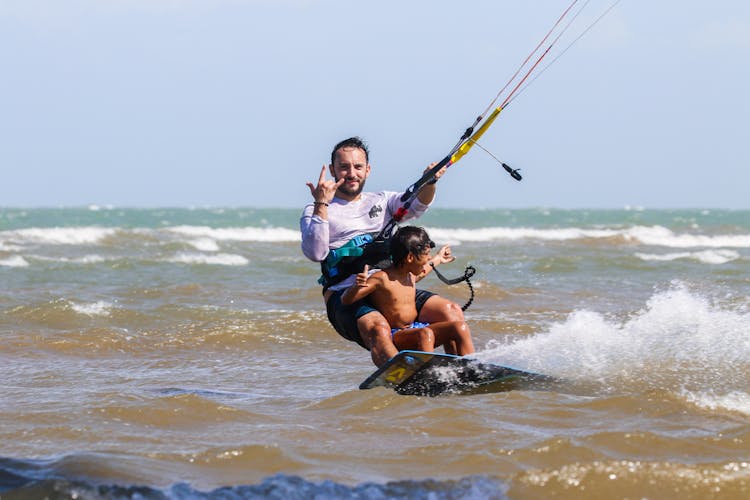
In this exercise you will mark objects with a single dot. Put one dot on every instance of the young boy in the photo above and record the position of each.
(391, 291)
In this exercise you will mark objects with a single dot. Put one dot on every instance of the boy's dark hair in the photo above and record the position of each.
(409, 239)
(352, 142)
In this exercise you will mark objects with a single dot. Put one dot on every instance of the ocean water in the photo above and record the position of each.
(185, 353)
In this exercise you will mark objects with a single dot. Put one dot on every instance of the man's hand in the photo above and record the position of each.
(439, 173)
(427, 194)
(326, 189)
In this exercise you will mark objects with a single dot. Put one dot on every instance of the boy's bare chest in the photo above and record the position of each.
(401, 291)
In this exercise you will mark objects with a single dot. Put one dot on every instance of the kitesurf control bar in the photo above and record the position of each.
(463, 146)
(470, 137)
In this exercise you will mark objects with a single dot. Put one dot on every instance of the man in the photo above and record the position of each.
(340, 213)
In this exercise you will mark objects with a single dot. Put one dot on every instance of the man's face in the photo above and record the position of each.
(351, 165)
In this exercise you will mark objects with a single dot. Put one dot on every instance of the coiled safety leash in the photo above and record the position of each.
(468, 273)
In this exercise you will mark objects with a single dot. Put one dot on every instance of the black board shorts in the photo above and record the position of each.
(344, 317)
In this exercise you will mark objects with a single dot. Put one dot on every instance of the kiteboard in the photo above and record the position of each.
(420, 373)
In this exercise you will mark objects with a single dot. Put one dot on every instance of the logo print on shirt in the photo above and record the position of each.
(374, 211)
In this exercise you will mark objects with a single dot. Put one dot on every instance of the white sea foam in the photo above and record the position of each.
(204, 244)
(14, 261)
(510, 233)
(239, 233)
(706, 256)
(205, 238)
(100, 308)
(86, 259)
(221, 259)
(679, 342)
(4, 247)
(735, 401)
(661, 236)
(97, 208)
(57, 235)
(646, 235)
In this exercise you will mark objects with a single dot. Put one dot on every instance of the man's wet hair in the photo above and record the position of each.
(409, 239)
(352, 142)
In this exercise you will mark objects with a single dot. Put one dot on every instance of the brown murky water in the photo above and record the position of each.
(194, 355)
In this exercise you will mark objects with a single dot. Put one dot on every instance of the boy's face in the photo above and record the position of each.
(417, 262)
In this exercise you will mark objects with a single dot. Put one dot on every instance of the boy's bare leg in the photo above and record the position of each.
(453, 335)
(415, 339)
(376, 334)
(450, 347)
(437, 309)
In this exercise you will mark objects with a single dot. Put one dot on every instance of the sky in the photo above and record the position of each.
(154, 103)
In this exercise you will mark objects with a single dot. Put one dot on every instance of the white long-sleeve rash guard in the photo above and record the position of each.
(347, 219)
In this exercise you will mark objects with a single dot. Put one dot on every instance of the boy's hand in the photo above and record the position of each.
(360, 289)
(443, 256)
(362, 277)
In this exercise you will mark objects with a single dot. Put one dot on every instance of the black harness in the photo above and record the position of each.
(351, 258)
